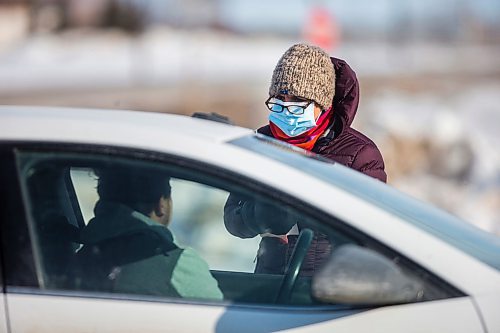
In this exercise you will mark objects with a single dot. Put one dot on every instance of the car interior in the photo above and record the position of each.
(57, 220)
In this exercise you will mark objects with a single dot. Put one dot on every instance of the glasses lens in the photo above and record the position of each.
(295, 109)
(274, 107)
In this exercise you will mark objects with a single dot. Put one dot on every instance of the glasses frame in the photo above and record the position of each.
(303, 108)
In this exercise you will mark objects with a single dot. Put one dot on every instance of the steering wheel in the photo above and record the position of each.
(292, 271)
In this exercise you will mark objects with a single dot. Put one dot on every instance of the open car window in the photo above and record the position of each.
(196, 220)
(91, 239)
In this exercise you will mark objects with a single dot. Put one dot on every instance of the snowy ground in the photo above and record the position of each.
(433, 109)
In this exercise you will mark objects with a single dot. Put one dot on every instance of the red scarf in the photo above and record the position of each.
(307, 139)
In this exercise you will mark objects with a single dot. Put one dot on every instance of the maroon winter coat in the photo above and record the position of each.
(341, 144)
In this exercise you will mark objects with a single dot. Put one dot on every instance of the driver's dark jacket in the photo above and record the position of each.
(126, 252)
(343, 145)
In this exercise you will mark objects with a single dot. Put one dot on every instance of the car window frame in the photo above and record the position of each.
(14, 231)
(75, 204)
(217, 173)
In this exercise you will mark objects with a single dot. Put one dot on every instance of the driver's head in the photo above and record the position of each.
(143, 190)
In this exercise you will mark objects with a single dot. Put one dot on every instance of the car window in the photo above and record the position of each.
(112, 226)
(90, 236)
(84, 182)
(196, 220)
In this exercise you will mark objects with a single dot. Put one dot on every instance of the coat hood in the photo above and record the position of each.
(113, 220)
(346, 98)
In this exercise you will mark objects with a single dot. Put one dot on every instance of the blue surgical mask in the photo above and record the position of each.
(291, 124)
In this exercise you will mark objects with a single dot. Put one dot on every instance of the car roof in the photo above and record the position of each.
(47, 117)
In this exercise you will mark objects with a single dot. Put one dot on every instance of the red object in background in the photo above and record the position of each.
(321, 29)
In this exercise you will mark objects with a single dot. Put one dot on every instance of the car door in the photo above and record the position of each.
(56, 198)
(3, 310)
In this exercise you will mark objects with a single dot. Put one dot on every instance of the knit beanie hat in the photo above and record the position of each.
(305, 71)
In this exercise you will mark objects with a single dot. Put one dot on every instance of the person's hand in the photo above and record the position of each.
(266, 218)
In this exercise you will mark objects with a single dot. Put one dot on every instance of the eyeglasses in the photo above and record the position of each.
(276, 105)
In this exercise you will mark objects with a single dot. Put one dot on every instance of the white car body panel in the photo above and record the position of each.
(66, 123)
(453, 315)
(46, 314)
(3, 318)
(489, 306)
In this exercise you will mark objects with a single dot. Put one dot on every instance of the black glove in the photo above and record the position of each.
(263, 217)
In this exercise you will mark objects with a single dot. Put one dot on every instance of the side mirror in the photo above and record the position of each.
(357, 275)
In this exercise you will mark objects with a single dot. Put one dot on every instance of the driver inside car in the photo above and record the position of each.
(127, 247)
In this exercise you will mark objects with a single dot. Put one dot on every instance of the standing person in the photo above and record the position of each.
(127, 246)
(313, 99)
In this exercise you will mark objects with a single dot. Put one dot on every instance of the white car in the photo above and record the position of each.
(397, 265)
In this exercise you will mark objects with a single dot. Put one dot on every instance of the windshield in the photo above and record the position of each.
(480, 244)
